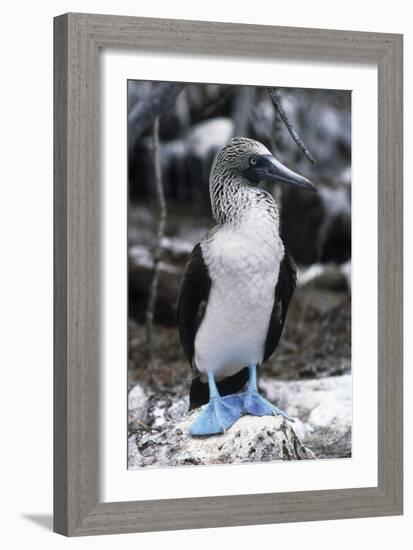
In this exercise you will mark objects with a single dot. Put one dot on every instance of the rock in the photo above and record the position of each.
(302, 215)
(326, 276)
(185, 161)
(324, 409)
(137, 405)
(165, 409)
(250, 439)
(182, 234)
(140, 273)
(317, 226)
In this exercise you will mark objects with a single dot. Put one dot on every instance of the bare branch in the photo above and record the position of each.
(276, 101)
(144, 112)
(162, 213)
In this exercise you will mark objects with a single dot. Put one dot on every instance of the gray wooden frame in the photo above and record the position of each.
(78, 39)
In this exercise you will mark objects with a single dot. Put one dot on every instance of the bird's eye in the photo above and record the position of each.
(253, 161)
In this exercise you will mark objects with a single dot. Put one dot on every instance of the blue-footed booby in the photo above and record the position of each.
(236, 287)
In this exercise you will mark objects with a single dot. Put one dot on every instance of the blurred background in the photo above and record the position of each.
(310, 373)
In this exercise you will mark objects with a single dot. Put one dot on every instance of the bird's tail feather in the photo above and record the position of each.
(199, 393)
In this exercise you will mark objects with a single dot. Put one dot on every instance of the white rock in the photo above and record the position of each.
(319, 402)
(250, 439)
(137, 403)
(209, 135)
(324, 409)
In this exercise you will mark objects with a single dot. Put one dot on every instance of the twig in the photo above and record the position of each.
(160, 198)
(144, 112)
(276, 101)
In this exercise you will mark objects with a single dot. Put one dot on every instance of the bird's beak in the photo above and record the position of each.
(268, 169)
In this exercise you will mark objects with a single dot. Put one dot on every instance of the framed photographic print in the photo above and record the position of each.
(228, 274)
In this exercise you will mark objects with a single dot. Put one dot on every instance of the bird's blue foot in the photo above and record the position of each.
(219, 415)
(255, 404)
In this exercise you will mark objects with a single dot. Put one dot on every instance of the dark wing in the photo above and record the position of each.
(283, 292)
(192, 300)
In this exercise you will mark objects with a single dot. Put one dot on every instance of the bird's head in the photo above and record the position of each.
(252, 161)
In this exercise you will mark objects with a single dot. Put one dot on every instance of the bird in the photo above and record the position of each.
(236, 287)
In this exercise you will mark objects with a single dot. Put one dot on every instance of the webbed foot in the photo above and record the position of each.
(219, 415)
(255, 404)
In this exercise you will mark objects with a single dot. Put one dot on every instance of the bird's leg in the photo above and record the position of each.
(220, 413)
(254, 403)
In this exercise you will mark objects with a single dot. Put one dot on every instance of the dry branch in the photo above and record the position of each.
(276, 101)
(162, 213)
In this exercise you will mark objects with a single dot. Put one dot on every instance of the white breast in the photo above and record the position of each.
(243, 264)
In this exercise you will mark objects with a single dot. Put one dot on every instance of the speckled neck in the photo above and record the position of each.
(232, 198)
